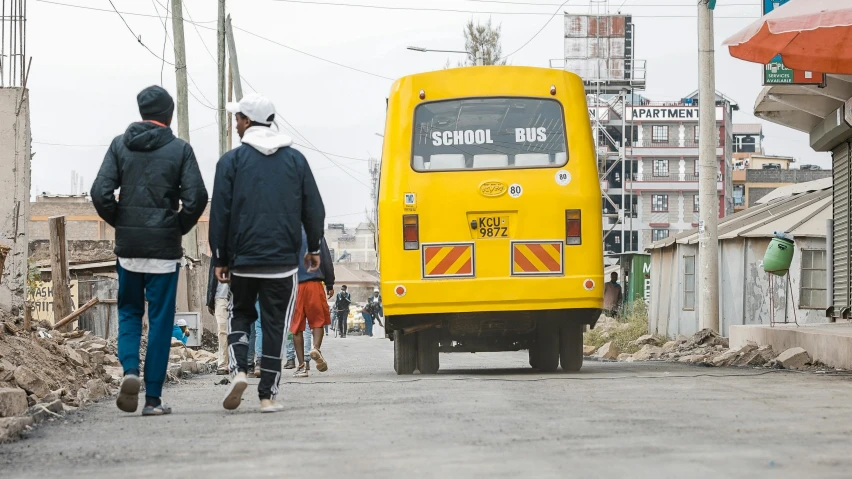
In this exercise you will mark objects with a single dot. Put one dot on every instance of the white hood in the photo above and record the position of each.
(266, 140)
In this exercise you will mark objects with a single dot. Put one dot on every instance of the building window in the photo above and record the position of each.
(697, 134)
(689, 282)
(696, 167)
(657, 235)
(695, 203)
(659, 203)
(812, 293)
(739, 195)
(660, 134)
(661, 167)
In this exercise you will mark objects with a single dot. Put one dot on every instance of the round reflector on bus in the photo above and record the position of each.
(422, 95)
(399, 290)
(589, 285)
(553, 89)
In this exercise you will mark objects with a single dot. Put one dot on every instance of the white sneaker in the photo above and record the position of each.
(268, 405)
(302, 371)
(235, 393)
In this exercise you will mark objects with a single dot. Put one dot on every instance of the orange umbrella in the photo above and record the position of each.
(813, 35)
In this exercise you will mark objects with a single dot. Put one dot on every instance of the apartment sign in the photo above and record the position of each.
(667, 113)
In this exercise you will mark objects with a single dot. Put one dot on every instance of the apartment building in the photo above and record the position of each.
(661, 168)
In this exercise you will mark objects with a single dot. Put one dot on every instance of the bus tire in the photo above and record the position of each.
(404, 352)
(427, 351)
(571, 347)
(546, 351)
(533, 358)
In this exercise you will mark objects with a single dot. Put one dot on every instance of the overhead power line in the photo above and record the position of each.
(454, 10)
(108, 10)
(538, 32)
(681, 5)
(137, 37)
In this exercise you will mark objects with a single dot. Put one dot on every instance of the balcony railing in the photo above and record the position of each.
(686, 143)
(673, 177)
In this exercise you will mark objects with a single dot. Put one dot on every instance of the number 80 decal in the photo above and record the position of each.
(516, 190)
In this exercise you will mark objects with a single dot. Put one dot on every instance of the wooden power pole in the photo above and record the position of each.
(237, 84)
(62, 305)
(220, 43)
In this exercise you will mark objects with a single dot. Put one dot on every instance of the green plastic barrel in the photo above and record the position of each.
(779, 256)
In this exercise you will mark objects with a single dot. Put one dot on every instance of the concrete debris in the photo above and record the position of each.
(648, 352)
(12, 427)
(97, 389)
(647, 339)
(588, 350)
(27, 380)
(13, 402)
(794, 358)
(669, 346)
(625, 357)
(45, 411)
(692, 358)
(608, 351)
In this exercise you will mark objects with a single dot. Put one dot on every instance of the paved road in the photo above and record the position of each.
(486, 415)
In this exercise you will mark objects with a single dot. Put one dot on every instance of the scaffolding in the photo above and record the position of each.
(14, 67)
(599, 47)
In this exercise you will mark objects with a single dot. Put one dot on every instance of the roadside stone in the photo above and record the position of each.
(725, 358)
(98, 357)
(73, 357)
(794, 358)
(647, 339)
(749, 358)
(669, 346)
(692, 358)
(97, 389)
(12, 427)
(27, 380)
(608, 351)
(111, 360)
(85, 356)
(41, 412)
(177, 343)
(625, 357)
(13, 402)
(648, 352)
(588, 350)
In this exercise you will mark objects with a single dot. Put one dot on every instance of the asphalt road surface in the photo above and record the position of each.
(484, 415)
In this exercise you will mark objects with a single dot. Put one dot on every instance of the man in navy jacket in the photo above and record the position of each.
(263, 193)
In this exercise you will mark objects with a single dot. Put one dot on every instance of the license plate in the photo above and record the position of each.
(492, 227)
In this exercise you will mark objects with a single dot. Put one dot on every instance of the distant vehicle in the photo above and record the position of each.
(810, 167)
(771, 166)
(489, 222)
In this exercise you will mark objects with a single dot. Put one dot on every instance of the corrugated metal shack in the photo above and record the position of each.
(744, 288)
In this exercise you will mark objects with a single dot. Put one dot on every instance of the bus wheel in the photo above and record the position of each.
(427, 351)
(404, 352)
(533, 358)
(546, 351)
(571, 347)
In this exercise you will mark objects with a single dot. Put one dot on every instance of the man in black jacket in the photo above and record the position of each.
(263, 193)
(162, 197)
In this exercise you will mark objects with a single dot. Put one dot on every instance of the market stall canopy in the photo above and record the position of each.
(812, 35)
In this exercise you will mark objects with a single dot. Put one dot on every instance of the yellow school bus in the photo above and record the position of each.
(489, 230)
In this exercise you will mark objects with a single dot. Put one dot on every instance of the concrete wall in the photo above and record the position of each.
(15, 156)
(81, 220)
(785, 176)
(79, 251)
(745, 296)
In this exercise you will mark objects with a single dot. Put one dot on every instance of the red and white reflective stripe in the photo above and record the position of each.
(399, 291)
(589, 285)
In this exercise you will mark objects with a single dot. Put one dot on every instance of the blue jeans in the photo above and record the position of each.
(161, 291)
(368, 323)
(291, 346)
(256, 338)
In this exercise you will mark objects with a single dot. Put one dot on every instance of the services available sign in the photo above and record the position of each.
(775, 73)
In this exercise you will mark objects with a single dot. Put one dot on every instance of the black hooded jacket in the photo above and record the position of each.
(162, 193)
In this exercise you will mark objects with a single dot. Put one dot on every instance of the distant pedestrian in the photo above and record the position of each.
(312, 309)
(380, 309)
(612, 296)
(162, 197)
(263, 190)
(341, 309)
(368, 313)
(217, 304)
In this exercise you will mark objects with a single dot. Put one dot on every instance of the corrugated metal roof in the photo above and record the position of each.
(800, 215)
(796, 189)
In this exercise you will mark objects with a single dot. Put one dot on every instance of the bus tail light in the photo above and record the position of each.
(410, 232)
(572, 227)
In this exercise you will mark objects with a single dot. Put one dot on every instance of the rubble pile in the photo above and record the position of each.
(45, 374)
(707, 348)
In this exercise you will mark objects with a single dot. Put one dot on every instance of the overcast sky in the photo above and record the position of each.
(87, 69)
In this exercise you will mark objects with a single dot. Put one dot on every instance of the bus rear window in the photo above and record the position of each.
(489, 133)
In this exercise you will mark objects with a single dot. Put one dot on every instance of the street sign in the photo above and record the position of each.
(775, 73)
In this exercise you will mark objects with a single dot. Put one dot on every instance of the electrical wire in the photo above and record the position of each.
(452, 10)
(165, 38)
(137, 37)
(536, 33)
(682, 5)
(108, 10)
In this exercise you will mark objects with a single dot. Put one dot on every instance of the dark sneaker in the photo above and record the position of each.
(160, 410)
(128, 393)
(291, 364)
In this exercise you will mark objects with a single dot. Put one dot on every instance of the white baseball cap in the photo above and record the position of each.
(180, 322)
(256, 107)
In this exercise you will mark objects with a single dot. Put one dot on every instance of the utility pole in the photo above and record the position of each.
(220, 43)
(622, 156)
(708, 199)
(235, 66)
(180, 70)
